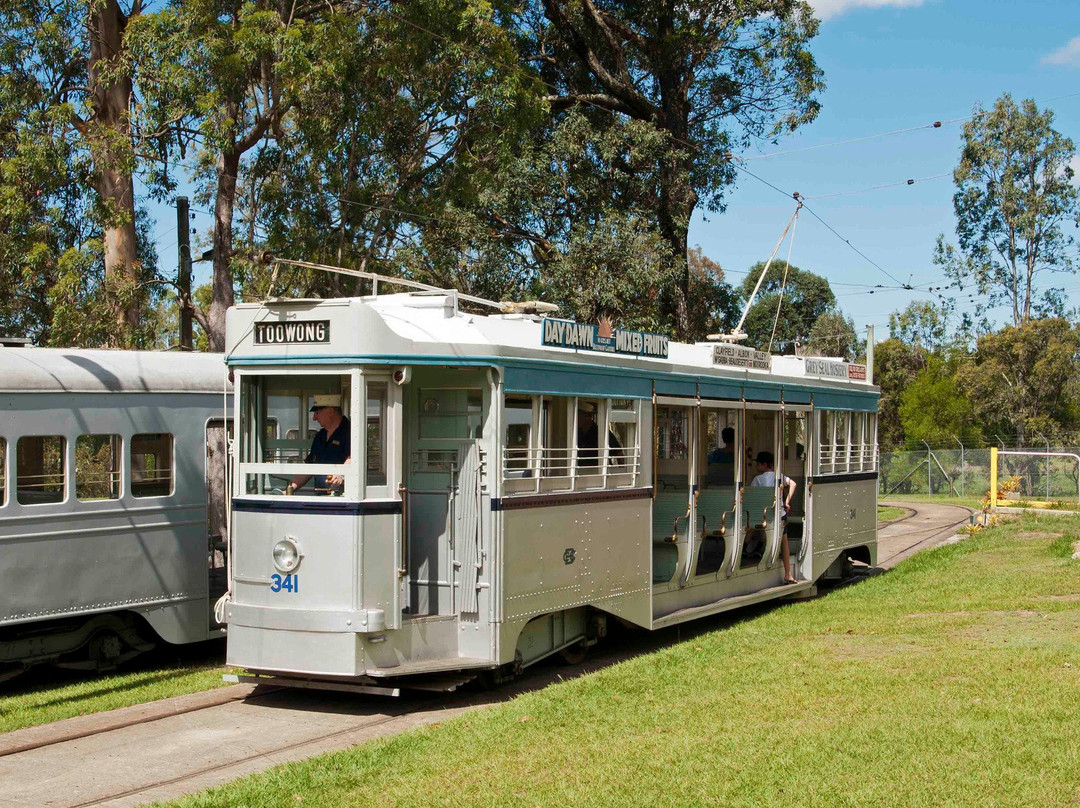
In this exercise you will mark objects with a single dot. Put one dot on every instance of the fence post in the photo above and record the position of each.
(993, 477)
(1041, 435)
(929, 472)
(961, 463)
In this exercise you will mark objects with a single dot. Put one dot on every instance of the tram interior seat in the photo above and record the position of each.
(669, 526)
(672, 482)
(759, 512)
(715, 508)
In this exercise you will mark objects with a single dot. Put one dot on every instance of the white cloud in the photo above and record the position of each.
(827, 9)
(1068, 55)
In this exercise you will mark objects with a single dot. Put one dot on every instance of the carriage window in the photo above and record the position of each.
(588, 436)
(152, 465)
(623, 425)
(375, 471)
(870, 449)
(554, 431)
(278, 426)
(826, 444)
(518, 439)
(97, 467)
(841, 438)
(40, 469)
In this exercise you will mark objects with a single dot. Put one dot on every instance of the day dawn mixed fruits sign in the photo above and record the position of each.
(588, 337)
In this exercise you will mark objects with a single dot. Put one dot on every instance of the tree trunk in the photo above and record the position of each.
(110, 141)
(228, 166)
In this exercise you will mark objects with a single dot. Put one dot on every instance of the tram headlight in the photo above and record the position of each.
(287, 554)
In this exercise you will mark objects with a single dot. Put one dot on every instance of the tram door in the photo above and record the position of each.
(760, 491)
(720, 471)
(444, 478)
(672, 496)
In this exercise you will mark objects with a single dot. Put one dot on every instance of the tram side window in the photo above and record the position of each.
(623, 424)
(826, 444)
(152, 464)
(97, 467)
(375, 472)
(840, 456)
(40, 475)
(518, 439)
(554, 432)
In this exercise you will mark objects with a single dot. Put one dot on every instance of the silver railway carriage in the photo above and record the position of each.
(112, 503)
(477, 528)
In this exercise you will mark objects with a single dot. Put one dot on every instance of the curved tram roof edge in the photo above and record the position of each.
(76, 370)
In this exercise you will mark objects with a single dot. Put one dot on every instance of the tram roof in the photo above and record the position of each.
(72, 370)
(428, 328)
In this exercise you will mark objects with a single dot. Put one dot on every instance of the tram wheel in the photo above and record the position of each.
(574, 654)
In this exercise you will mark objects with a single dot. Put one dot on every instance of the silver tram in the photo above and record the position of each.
(112, 503)
(476, 531)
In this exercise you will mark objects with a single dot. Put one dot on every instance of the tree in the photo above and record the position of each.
(1025, 379)
(220, 76)
(806, 297)
(833, 334)
(896, 365)
(1014, 194)
(934, 406)
(714, 304)
(65, 92)
(710, 78)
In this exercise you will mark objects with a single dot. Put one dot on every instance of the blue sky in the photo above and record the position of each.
(889, 65)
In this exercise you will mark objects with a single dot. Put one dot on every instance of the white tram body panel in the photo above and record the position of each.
(112, 472)
(478, 525)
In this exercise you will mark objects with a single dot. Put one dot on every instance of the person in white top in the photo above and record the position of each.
(766, 478)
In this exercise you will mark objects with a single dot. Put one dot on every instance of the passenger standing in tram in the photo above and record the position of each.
(766, 478)
(332, 444)
(588, 437)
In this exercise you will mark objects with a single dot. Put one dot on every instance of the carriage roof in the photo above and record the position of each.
(429, 328)
(71, 370)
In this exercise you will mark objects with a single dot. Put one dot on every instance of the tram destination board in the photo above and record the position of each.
(304, 332)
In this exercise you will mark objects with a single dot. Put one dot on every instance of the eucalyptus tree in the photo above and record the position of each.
(787, 306)
(1015, 194)
(710, 77)
(218, 77)
(65, 100)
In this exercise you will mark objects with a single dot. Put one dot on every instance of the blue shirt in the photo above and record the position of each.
(336, 448)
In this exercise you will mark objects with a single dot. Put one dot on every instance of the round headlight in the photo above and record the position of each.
(287, 555)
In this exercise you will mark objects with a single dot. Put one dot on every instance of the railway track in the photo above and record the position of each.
(165, 750)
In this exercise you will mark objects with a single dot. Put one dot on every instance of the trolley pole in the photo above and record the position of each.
(183, 273)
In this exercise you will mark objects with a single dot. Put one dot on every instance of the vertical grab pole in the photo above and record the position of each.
(993, 476)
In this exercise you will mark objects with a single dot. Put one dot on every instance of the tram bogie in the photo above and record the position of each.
(513, 481)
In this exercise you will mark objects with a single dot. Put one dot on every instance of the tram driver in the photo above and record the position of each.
(331, 444)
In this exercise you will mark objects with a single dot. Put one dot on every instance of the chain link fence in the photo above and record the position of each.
(965, 472)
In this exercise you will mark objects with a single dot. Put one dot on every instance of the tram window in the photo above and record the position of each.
(588, 436)
(623, 424)
(826, 446)
(40, 469)
(858, 427)
(555, 430)
(841, 436)
(152, 465)
(870, 451)
(518, 439)
(375, 472)
(3, 472)
(97, 467)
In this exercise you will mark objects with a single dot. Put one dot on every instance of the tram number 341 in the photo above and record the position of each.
(284, 583)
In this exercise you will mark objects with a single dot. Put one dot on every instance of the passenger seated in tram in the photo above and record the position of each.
(722, 459)
(331, 444)
(588, 438)
(766, 478)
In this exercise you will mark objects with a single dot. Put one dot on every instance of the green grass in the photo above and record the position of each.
(44, 695)
(886, 513)
(953, 680)
(970, 502)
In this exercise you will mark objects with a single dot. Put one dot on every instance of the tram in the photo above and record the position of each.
(515, 480)
(112, 503)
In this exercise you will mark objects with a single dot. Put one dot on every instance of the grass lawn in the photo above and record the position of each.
(886, 513)
(44, 695)
(971, 502)
(953, 680)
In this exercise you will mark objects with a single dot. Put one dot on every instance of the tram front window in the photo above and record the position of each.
(312, 412)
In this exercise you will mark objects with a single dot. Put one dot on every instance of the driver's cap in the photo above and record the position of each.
(327, 400)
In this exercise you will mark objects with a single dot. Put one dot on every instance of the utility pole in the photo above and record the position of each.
(183, 279)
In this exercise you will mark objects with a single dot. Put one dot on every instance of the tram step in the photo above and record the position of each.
(431, 666)
(694, 612)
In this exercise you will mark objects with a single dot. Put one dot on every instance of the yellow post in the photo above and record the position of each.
(993, 476)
